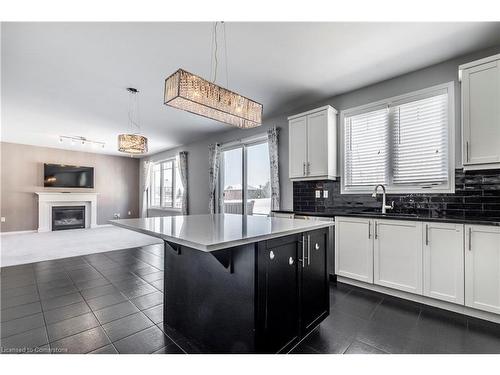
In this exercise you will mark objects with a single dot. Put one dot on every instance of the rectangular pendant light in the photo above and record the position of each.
(189, 92)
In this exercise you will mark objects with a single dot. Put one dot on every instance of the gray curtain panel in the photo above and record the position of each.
(183, 171)
(213, 174)
(272, 138)
(146, 179)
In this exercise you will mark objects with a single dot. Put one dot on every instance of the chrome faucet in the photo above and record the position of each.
(384, 206)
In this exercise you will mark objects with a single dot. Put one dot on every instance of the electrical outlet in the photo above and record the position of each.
(116, 216)
(318, 193)
(325, 193)
(3, 219)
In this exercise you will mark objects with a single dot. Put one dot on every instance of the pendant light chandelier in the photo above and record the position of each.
(191, 93)
(133, 143)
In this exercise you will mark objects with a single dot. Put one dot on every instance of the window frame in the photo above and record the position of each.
(175, 165)
(449, 89)
(243, 144)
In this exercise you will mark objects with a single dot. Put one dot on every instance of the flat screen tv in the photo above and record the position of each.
(67, 176)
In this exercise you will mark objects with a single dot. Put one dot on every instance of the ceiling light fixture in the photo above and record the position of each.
(80, 139)
(133, 143)
(191, 93)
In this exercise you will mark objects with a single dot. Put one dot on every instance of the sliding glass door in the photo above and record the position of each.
(244, 183)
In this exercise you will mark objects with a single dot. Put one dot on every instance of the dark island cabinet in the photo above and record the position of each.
(292, 290)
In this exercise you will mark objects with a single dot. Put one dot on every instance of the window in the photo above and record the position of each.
(405, 143)
(166, 187)
(245, 178)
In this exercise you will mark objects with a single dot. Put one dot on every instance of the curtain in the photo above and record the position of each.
(146, 179)
(272, 140)
(213, 173)
(183, 171)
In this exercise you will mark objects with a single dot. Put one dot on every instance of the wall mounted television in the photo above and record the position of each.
(67, 176)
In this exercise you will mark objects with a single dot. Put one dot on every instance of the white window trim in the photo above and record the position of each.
(449, 88)
(162, 208)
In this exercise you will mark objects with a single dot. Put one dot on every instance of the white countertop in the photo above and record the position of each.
(215, 232)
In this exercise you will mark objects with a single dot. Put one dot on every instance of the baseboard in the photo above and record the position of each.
(102, 225)
(460, 309)
(17, 232)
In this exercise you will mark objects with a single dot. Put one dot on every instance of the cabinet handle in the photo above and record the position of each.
(308, 168)
(271, 255)
(316, 246)
(470, 239)
(303, 251)
(467, 150)
(290, 261)
(308, 249)
(369, 229)
(304, 169)
(376, 231)
(426, 234)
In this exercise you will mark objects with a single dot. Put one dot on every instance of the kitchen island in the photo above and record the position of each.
(241, 284)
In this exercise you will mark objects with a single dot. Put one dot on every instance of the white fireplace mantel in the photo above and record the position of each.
(47, 200)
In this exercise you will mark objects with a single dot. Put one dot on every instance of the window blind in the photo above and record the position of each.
(366, 148)
(420, 141)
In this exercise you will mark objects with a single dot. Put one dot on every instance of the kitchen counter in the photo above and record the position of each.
(399, 216)
(215, 232)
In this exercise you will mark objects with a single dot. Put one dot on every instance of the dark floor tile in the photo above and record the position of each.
(20, 311)
(338, 291)
(147, 270)
(9, 283)
(146, 341)
(19, 300)
(129, 283)
(482, 337)
(158, 284)
(43, 287)
(83, 342)
(101, 302)
(358, 303)
(108, 349)
(358, 347)
(16, 326)
(114, 312)
(98, 291)
(397, 314)
(71, 326)
(304, 349)
(84, 275)
(91, 283)
(138, 291)
(155, 313)
(66, 312)
(148, 300)
(16, 292)
(30, 339)
(324, 341)
(61, 301)
(340, 323)
(170, 349)
(57, 291)
(155, 276)
(126, 326)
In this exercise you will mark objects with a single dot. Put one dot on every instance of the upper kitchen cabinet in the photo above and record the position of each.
(481, 113)
(313, 145)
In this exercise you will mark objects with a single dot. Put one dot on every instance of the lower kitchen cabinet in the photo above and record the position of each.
(292, 288)
(443, 246)
(354, 248)
(397, 255)
(482, 267)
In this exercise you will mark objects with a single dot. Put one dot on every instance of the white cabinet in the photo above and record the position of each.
(313, 144)
(443, 246)
(482, 267)
(481, 113)
(397, 255)
(354, 248)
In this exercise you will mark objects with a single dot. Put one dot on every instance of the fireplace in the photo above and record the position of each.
(68, 217)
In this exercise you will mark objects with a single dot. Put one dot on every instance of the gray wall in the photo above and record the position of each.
(433, 75)
(116, 182)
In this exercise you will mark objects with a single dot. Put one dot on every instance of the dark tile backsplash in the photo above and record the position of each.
(477, 194)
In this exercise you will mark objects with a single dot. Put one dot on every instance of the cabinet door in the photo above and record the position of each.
(280, 293)
(481, 114)
(482, 267)
(397, 254)
(317, 144)
(314, 289)
(297, 147)
(444, 261)
(354, 248)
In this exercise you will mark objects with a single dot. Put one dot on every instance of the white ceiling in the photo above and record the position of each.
(70, 78)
